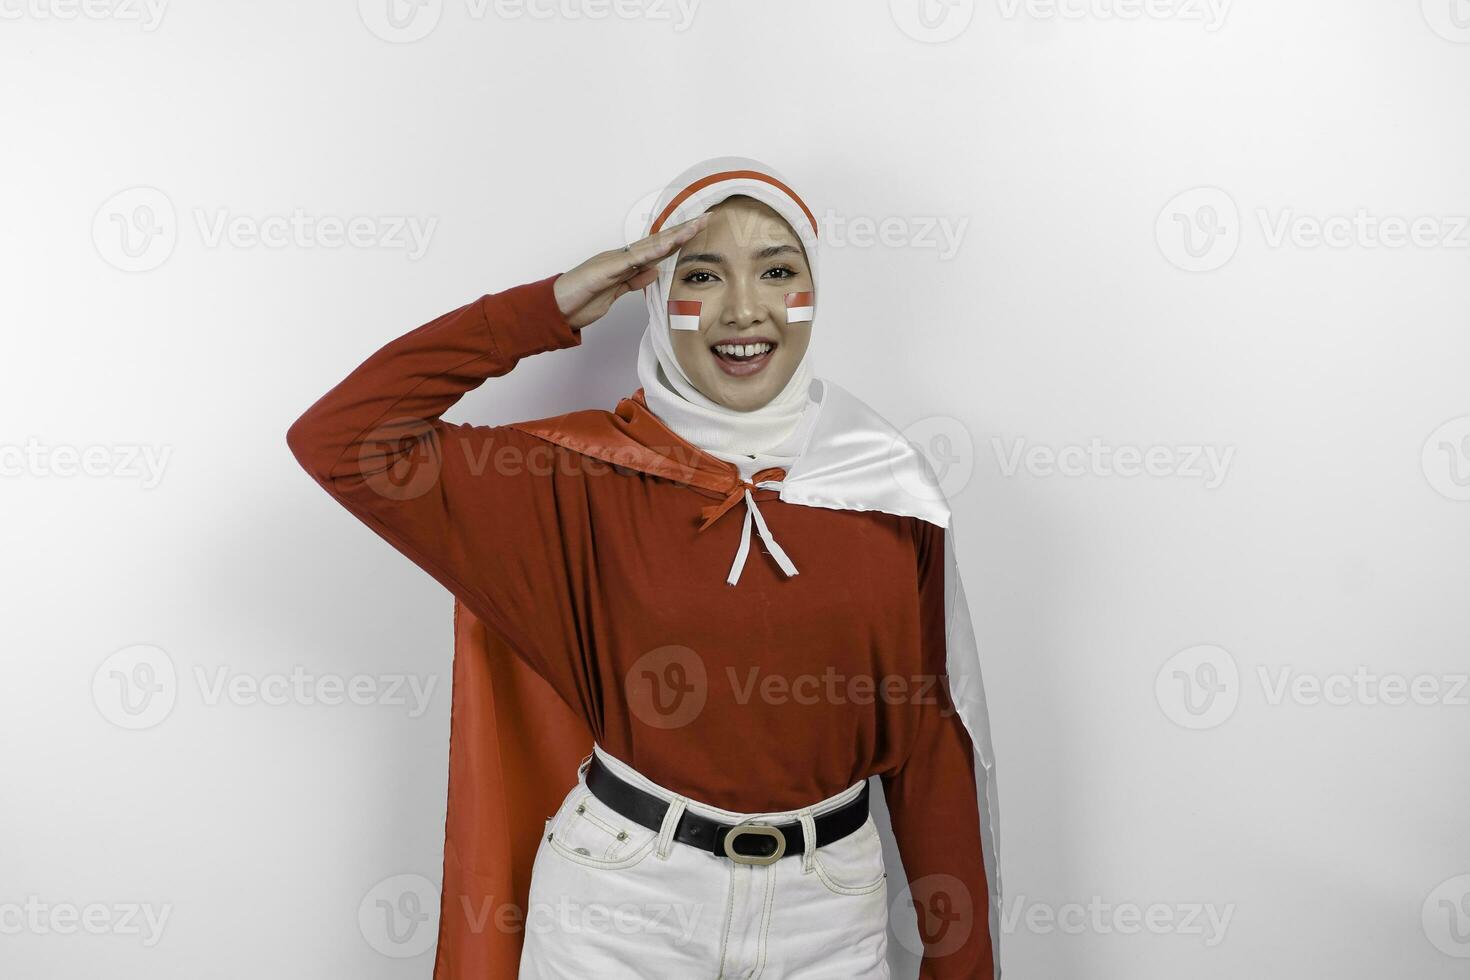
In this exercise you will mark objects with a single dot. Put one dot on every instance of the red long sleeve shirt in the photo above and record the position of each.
(767, 696)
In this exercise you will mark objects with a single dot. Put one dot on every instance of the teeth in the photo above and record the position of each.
(743, 350)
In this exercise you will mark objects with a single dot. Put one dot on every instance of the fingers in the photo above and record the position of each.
(643, 278)
(606, 276)
(603, 299)
(655, 248)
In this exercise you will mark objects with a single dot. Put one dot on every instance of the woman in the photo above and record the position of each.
(737, 590)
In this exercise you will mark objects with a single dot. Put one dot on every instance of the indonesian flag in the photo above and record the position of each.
(684, 314)
(799, 307)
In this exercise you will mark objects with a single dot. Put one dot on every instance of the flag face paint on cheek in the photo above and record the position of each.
(684, 314)
(799, 307)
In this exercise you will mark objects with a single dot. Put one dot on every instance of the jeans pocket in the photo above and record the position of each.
(854, 864)
(588, 832)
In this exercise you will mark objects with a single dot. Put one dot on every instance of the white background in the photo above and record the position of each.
(1134, 188)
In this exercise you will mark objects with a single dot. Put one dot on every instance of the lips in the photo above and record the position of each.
(743, 357)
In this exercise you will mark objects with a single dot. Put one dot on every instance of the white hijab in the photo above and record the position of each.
(774, 432)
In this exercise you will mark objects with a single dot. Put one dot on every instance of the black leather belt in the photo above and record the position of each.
(746, 843)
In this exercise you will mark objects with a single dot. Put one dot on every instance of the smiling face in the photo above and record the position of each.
(739, 268)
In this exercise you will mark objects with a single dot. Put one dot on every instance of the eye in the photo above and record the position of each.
(786, 270)
(693, 277)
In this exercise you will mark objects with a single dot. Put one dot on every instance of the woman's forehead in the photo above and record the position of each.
(739, 209)
(749, 225)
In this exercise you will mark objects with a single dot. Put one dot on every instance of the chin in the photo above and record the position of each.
(745, 396)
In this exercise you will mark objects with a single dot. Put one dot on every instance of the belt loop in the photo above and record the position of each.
(584, 764)
(809, 834)
(670, 824)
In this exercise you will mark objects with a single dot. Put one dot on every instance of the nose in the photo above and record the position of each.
(743, 307)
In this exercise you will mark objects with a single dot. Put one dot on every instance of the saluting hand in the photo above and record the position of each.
(584, 294)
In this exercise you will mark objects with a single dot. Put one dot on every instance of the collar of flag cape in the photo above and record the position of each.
(853, 459)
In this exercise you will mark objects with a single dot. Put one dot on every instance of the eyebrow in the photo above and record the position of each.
(715, 258)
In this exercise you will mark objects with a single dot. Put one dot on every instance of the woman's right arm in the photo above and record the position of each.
(469, 503)
(451, 497)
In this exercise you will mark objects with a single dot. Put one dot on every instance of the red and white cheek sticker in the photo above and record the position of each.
(684, 314)
(799, 307)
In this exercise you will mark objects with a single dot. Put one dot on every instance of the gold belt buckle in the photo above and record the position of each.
(760, 830)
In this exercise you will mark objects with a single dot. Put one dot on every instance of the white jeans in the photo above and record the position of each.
(614, 900)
